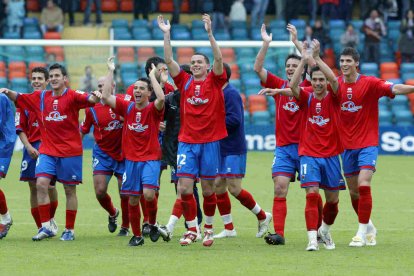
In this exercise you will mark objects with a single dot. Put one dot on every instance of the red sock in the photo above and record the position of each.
(106, 203)
(189, 209)
(44, 212)
(70, 219)
(246, 199)
(177, 208)
(224, 207)
(135, 219)
(143, 204)
(330, 210)
(152, 209)
(209, 208)
(53, 207)
(36, 216)
(320, 210)
(311, 211)
(3, 204)
(279, 215)
(365, 204)
(355, 203)
(124, 207)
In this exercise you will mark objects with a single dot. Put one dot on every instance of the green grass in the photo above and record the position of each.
(96, 251)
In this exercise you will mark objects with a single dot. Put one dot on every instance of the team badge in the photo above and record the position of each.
(113, 116)
(55, 105)
(138, 117)
(318, 107)
(197, 90)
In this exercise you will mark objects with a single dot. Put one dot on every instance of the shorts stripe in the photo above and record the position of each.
(231, 175)
(3, 175)
(133, 193)
(102, 172)
(368, 167)
(150, 187)
(309, 184)
(27, 178)
(325, 187)
(46, 175)
(209, 177)
(351, 174)
(69, 182)
(290, 175)
(186, 175)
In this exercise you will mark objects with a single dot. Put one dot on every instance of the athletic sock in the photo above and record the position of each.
(189, 210)
(224, 207)
(53, 207)
(135, 219)
(124, 208)
(209, 207)
(279, 215)
(365, 204)
(106, 203)
(311, 211)
(152, 208)
(70, 219)
(330, 211)
(36, 216)
(44, 213)
(3, 203)
(177, 210)
(246, 199)
(355, 204)
(320, 210)
(143, 204)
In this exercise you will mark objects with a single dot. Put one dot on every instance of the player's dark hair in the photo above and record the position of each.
(152, 60)
(228, 70)
(60, 67)
(205, 57)
(294, 56)
(186, 68)
(147, 81)
(314, 69)
(349, 51)
(41, 70)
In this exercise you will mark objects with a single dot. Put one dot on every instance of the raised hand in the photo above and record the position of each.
(207, 22)
(110, 63)
(163, 25)
(153, 70)
(4, 90)
(164, 76)
(306, 50)
(316, 48)
(97, 94)
(293, 32)
(266, 38)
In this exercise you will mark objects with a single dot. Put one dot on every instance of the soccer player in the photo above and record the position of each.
(7, 139)
(319, 145)
(233, 166)
(287, 117)
(141, 148)
(28, 129)
(107, 158)
(60, 158)
(359, 125)
(202, 127)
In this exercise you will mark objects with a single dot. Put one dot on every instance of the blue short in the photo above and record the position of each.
(139, 176)
(4, 166)
(28, 167)
(324, 173)
(195, 160)
(359, 159)
(174, 178)
(103, 164)
(233, 166)
(286, 161)
(67, 170)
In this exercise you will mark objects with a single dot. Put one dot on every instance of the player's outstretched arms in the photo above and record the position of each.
(160, 101)
(172, 65)
(294, 36)
(107, 96)
(218, 58)
(258, 64)
(95, 97)
(402, 89)
(330, 76)
(12, 95)
(294, 82)
(275, 91)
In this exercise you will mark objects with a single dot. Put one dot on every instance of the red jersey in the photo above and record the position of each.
(202, 109)
(287, 115)
(168, 88)
(359, 110)
(58, 120)
(141, 127)
(319, 125)
(26, 122)
(107, 129)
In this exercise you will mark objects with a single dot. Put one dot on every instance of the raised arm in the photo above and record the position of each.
(297, 76)
(160, 100)
(12, 95)
(274, 91)
(218, 58)
(294, 36)
(172, 65)
(258, 64)
(330, 76)
(107, 96)
(402, 89)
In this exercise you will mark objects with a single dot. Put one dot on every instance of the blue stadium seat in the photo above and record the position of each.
(139, 23)
(278, 24)
(122, 33)
(32, 35)
(255, 34)
(357, 24)
(30, 21)
(406, 76)
(236, 83)
(393, 34)
(197, 24)
(396, 81)
(31, 28)
(140, 33)
(400, 100)
(369, 68)
(261, 118)
(222, 35)
(383, 107)
(279, 35)
(208, 6)
(384, 101)
(35, 58)
(239, 34)
(19, 84)
(246, 117)
(180, 34)
(245, 64)
(199, 34)
(3, 82)
(337, 24)
(129, 67)
(403, 117)
(385, 117)
(245, 52)
(407, 67)
(238, 25)
(157, 34)
(120, 23)
(11, 35)
(393, 24)
(299, 23)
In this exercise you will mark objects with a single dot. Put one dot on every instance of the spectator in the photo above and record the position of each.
(176, 12)
(280, 6)
(51, 18)
(329, 10)
(345, 8)
(389, 9)
(221, 10)
(258, 12)
(98, 10)
(142, 6)
(319, 33)
(88, 82)
(238, 11)
(350, 38)
(374, 30)
(406, 42)
(366, 6)
(70, 8)
(15, 15)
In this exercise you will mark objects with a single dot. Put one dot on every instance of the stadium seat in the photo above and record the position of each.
(184, 54)
(385, 117)
(390, 75)
(404, 117)
(208, 6)
(145, 53)
(32, 35)
(244, 52)
(357, 24)
(246, 117)
(109, 5)
(228, 55)
(255, 34)
(180, 33)
(126, 6)
(3, 82)
(298, 23)
(238, 24)
(57, 51)
(197, 24)
(400, 100)
(261, 118)
(125, 54)
(11, 35)
(122, 34)
(396, 81)
(222, 35)
(17, 66)
(257, 103)
(120, 23)
(34, 64)
(2, 69)
(407, 76)
(337, 24)
(235, 71)
(407, 67)
(277, 24)
(393, 24)
(239, 34)
(369, 68)
(236, 83)
(140, 23)
(387, 67)
(52, 35)
(19, 84)
(199, 34)
(280, 35)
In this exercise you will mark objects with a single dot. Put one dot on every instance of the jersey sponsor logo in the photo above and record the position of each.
(319, 120)
(80, 92)
(17, 119)
(196, 101)
(35, 124)
(138, 127)
(113, 125)
(291, 106)
(127, 98)
(350, 106)
(55, 116)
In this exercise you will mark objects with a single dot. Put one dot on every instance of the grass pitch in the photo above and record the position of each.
(97, 252)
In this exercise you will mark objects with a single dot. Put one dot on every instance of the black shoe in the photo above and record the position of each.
(146, 229)
(112, 222)
(123, 232)
(135, 241)
(274, 239)
(154, 233)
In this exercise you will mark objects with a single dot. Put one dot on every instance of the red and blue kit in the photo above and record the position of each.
(27, 122)
(168, 88)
